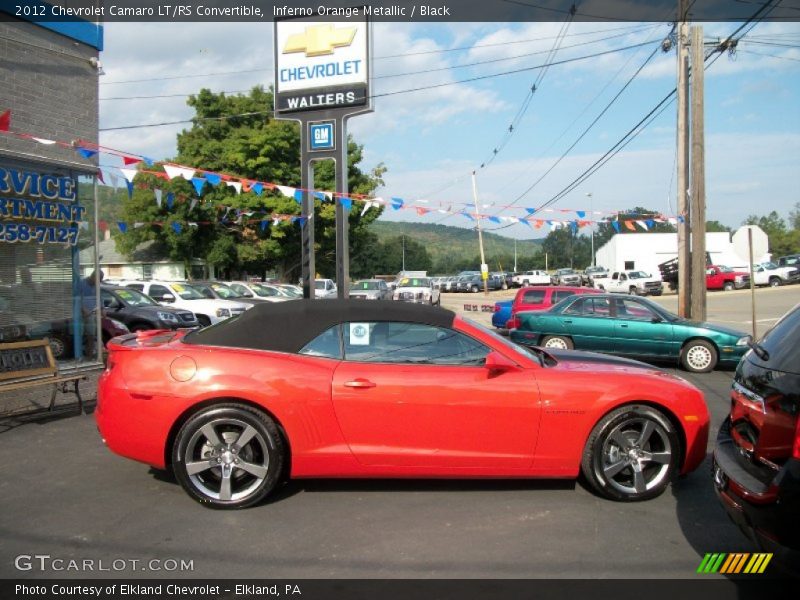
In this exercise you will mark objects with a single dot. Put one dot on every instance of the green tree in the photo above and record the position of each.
(230, 234)
(794, 217)
(566, 248)
(716, 226)
(606, 230)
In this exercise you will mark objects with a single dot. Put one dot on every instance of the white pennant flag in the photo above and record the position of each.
(172, 171)
(673, 221)
(275, 221)
(643, 225)
(114, 180)
(128, 174)
(286, 191)
(137, 225)
(158, 197)
(192, 224)
(237, 185)
(192, 204)
(369, 204)
(43, 141)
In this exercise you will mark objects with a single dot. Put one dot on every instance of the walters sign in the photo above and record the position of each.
(320, 65)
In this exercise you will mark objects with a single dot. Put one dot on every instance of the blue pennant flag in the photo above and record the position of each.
(130, 189)
(213, 178)
(257, 188)
(681, 219)
(615, 224)
(123, 227)
(298, 196)
(347, 203)
(198, 183)
(531, 211)
(85, 152)
(469, 216)
(170, 200)
(176, 227)
(574, 225)
(650, 223)
(525, 221)
(397, 203)
(495, 220)
(301, 220)
(264, 225)
(581, 213)
(148, 161)
(320, 196)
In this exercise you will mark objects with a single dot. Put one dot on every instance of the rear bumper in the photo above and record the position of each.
(767, 513)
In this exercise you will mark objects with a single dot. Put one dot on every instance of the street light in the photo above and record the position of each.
(591, 222)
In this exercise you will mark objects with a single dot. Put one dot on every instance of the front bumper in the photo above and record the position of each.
(765, 512)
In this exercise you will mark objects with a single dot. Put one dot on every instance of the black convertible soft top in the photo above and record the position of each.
(289, 326)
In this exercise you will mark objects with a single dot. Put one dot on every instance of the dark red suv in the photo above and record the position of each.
(756, 463)
(542, 298)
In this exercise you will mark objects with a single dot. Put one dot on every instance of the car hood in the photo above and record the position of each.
(157, 309)
(208, 304)
(412, 289)
(578, 359)
(711, 326)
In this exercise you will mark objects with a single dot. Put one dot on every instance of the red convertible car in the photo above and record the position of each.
(344, 388)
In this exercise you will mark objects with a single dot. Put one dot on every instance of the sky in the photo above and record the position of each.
(432, 140)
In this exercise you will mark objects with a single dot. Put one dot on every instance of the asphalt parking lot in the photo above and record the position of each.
(66, 496)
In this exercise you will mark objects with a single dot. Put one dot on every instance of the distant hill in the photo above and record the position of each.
(455, 242)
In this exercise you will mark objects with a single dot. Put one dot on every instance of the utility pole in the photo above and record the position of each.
(515, 255)
(698, 200)
(684, 264)
(591, 224)
(403, 237)
(484, 274)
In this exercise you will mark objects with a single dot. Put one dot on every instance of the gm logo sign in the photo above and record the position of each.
(320, 136)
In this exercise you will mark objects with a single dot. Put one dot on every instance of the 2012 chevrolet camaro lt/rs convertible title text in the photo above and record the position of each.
(346, 388)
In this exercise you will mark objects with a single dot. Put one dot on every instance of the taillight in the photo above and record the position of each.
(796, 448)
(496, 308)
(512, 323)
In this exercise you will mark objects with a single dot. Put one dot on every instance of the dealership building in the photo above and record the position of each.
(49, 107)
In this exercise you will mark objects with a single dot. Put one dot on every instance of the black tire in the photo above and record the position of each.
(203, 320)
(632, 454)
(633, 290)
(728, 286)
(601, 287)
(525, 283)
(474, 289)
(140, 326)
(775, 282)
(557, 341)
(59, 347)
(263, 452)
(699, 356)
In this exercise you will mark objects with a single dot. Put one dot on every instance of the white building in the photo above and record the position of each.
(645, 251)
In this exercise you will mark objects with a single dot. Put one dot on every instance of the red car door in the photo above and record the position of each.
(419, 396)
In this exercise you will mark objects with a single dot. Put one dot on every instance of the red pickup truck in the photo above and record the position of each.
(725, 278)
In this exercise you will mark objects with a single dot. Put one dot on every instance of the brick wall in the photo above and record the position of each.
(50, 86)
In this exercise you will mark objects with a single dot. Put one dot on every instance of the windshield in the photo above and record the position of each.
(133, 298)
(223, 291)
(319, 284)
(187, 292)
(769, 265)
(366, 285)
(291, 292)
(508, 344)
(414, 282)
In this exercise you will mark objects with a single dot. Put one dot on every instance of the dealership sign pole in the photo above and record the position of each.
(322, 78)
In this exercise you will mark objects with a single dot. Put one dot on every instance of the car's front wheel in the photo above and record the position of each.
(728, 286)
(228, 456)
(631, 454)
(557, 341)
(775, 281)
(699, 356)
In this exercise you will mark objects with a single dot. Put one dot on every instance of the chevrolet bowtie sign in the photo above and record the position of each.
(320, 66)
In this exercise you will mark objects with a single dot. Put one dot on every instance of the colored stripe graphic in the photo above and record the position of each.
(734, 563)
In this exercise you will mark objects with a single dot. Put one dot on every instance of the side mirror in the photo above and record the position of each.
(656, 319)
(167, 298)
(247, 294)
(496, 363)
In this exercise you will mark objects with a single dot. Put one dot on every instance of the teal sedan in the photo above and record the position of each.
(631, 326)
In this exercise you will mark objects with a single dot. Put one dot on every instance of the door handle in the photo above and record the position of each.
(623, 325)
(359, 383)
(568, 322)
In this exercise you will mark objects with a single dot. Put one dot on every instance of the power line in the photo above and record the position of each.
(769, 55)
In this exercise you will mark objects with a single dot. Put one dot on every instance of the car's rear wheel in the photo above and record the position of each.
(58, 347)
(203, 320)
(633, 290)
(632, 454)
(228, 456)
(557, 341)
(699, 356)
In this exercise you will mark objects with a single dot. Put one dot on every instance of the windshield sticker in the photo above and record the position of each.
(359, 334)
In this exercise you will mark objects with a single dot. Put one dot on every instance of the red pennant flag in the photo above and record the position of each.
(102, 225)
(5, 120)
(100, 177)
(130, 160)
(422, 211)
(630, 225)
(246, 185)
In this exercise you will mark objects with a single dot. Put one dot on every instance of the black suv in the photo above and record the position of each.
(474, 283)
(140, 312)
(756, 463)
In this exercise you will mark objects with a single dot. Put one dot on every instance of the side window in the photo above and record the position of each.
(533, 297)
(327, 344)
(239, 289)
(410, 343)
(107, 299)
(136, 286)
(207, 293)
(158, 291)
(559, 296)
(575, 308)
(630, 309)
(598, 307)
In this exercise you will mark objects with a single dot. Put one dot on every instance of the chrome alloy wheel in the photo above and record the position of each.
(556, 342)
(636, 456)
(699, 357)
(227, 459)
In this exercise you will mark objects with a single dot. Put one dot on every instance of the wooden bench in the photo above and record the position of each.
(30, 364)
